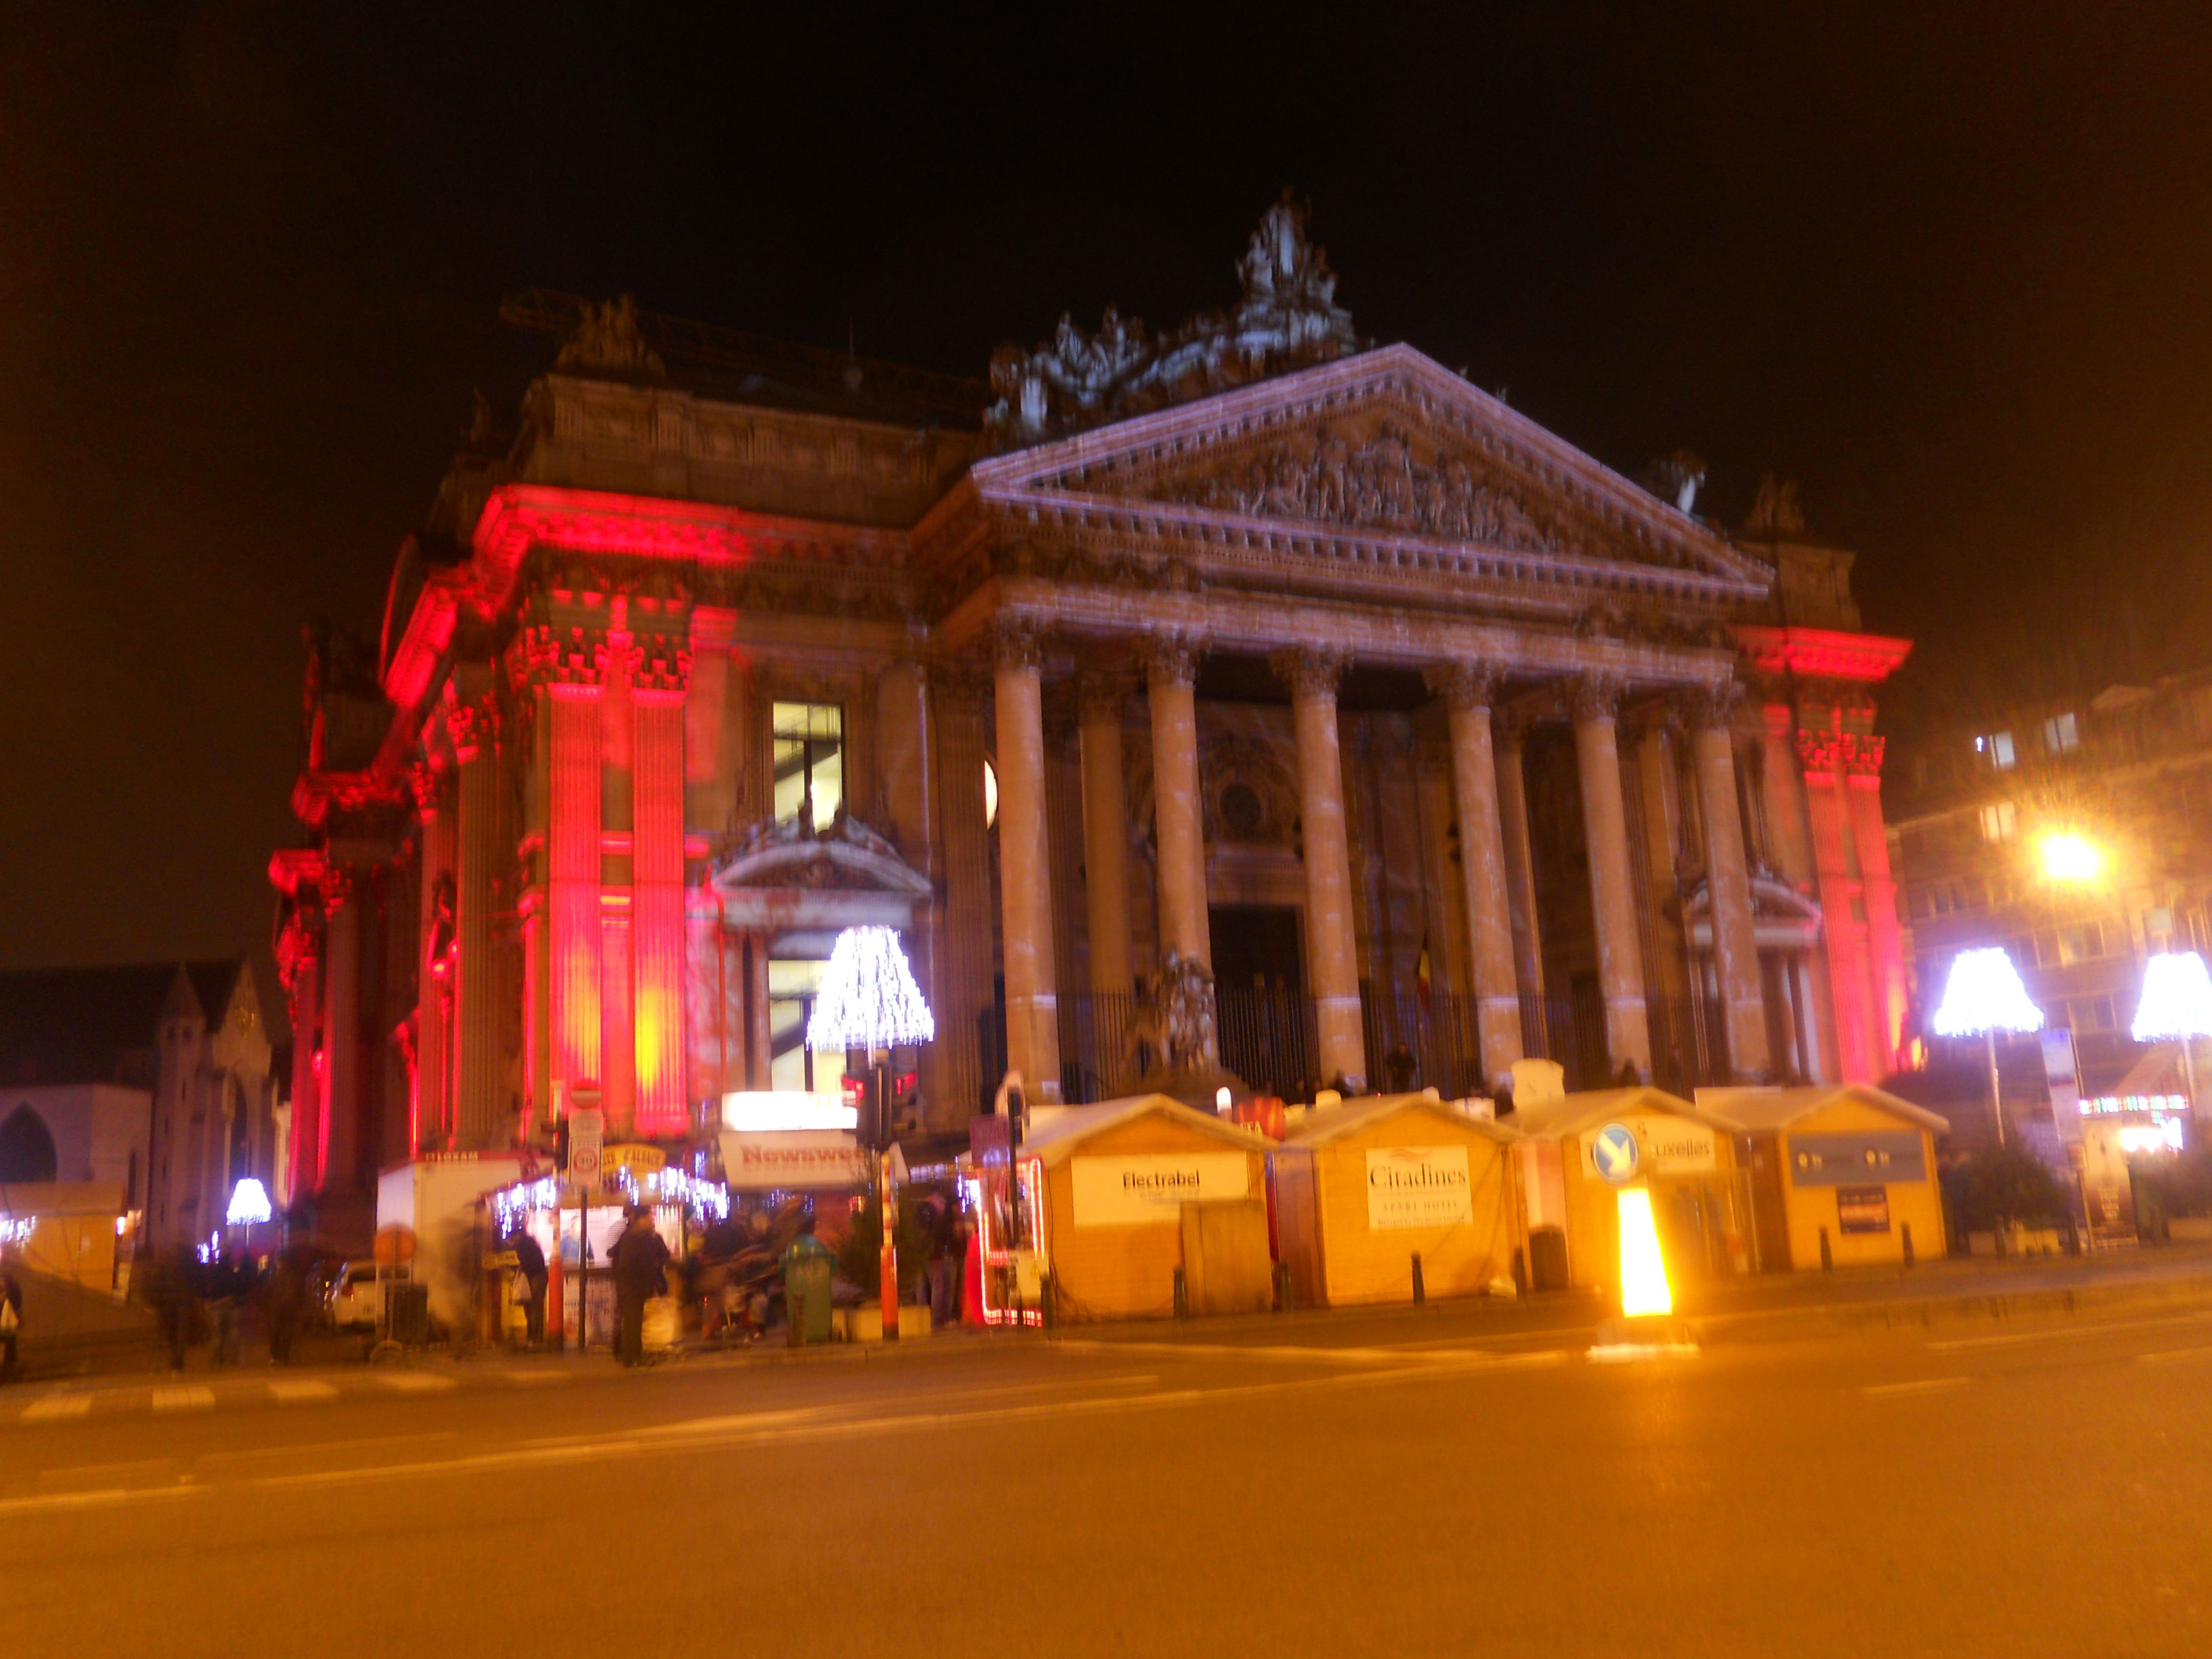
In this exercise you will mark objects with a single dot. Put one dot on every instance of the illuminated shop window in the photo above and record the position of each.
(809, 761)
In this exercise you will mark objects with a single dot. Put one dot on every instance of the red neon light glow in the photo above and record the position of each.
(657, 927)
(1824, 652)
(572, 849)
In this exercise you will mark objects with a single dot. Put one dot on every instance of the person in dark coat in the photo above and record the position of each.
(640, 1272)
(530, 1262)
(11, 1321)
(283, 1294)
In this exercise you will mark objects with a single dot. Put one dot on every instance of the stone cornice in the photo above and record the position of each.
(1822, 653)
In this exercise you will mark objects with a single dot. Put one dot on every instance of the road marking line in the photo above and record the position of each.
(184, 1397)
(416, 1382)
(1921, 1385)
(295, 1391)
(1293, 1354)
(2062, 1332)
(93, 1500)
(524, 1379)
(56, 1408)
(2173, 1353)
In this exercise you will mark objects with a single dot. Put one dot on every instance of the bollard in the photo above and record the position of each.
(1182, 1295)
(1827, 1255)
(1520, 1270)
(1420, 1292)
(1282, 1287)
(1906, 1230)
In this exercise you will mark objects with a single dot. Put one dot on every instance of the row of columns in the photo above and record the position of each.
(1489, 797)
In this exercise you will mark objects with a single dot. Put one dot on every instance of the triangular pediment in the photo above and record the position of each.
(1386, 446)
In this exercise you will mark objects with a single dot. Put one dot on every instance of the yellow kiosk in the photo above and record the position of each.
(1580, 1149)
(1839, 1173)
(1365, 1189)
(1137, 1191)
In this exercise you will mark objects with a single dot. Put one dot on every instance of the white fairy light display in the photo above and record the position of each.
(868, 999)
(1982, 997)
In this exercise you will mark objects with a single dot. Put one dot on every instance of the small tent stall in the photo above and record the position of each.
(1365, 1189)
(1847, 1164)
(1580, 1149)
(1135, 1191)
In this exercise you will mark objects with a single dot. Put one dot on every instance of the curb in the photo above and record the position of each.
(1941, 1308)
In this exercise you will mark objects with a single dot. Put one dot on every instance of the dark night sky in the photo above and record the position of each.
(1949, 266)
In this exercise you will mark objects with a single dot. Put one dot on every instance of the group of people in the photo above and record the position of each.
(189, 1293)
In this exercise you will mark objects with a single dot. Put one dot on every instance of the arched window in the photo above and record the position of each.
(27, 1149)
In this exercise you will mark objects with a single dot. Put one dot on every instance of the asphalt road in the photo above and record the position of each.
(1388, 1484)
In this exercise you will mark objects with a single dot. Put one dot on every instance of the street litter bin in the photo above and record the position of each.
(407, 1302)
(806, 1269)
(1547, 1259)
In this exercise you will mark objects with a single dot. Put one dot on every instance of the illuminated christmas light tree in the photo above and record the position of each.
(868, 999)
(1982, 997)
(2176, 1006)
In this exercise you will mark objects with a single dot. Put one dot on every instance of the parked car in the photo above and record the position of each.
(355, 1300)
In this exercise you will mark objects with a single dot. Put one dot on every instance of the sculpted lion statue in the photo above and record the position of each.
(1174, 1024)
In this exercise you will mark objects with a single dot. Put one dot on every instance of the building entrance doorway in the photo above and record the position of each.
(1261, 1015)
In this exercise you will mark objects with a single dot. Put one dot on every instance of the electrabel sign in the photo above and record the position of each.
(1153, 1187)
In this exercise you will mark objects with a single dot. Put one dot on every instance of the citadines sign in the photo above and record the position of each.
(1417, 1187)
(1150, 1187)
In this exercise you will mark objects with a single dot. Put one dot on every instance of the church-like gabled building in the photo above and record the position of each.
(1255, 651)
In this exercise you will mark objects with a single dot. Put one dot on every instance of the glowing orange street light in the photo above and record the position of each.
(2071, 857)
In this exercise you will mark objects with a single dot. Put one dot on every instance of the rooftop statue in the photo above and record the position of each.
(1287, 319)
(608, 337)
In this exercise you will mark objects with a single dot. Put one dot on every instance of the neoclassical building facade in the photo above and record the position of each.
(1255, 646)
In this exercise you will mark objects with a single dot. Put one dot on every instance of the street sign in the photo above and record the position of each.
(1614, 1154)
(586, 1136)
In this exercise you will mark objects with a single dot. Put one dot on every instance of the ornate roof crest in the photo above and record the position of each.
(607, 338)
(1288, 319)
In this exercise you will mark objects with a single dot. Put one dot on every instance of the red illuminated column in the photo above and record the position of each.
(1885, 940)
(657, 927)
(477, 1111)
(573, 881)
(617, 1009)
(337, 1156)
(1820, 754)
(306, 989)
(432, 1128)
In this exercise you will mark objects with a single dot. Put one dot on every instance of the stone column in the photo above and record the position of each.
(1024, 864)
(1521, 874)
(1613, 894)
(1106, 833)
(306, 984)
(1332, 952)
(1728, 884)
(339, 1158)
(1843, 904)
(478, 1116)
(1467, 690)
(1170, 665)
(961, 987)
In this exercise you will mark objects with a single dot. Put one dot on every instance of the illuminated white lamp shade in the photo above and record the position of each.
(2176, 999)
(1984, 993)
(249, 1204)
(1644, 1289)
(868, 998)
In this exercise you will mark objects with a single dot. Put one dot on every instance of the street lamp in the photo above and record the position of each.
(1982, 997)
(2069, 856)
(2176, 1003)
(869, 1001)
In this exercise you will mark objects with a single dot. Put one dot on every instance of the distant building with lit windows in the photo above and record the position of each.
(2077, 835)
(1257, 652)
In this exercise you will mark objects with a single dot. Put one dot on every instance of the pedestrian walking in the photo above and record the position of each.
(530, 1267)
(640, 1272)
(282, 1294)
(174, 1301)
(11, 1321)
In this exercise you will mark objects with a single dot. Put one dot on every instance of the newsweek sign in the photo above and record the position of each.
(807, 1159)
(1153, 1187)
(1417, 1187)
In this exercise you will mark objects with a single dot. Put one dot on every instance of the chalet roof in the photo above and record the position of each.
(1324, 1124)
(1572, 1114)
(1760, 1111)
(97, 1025)
(1060, 1134)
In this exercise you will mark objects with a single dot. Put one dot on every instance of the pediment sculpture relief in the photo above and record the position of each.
(1375, 485)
